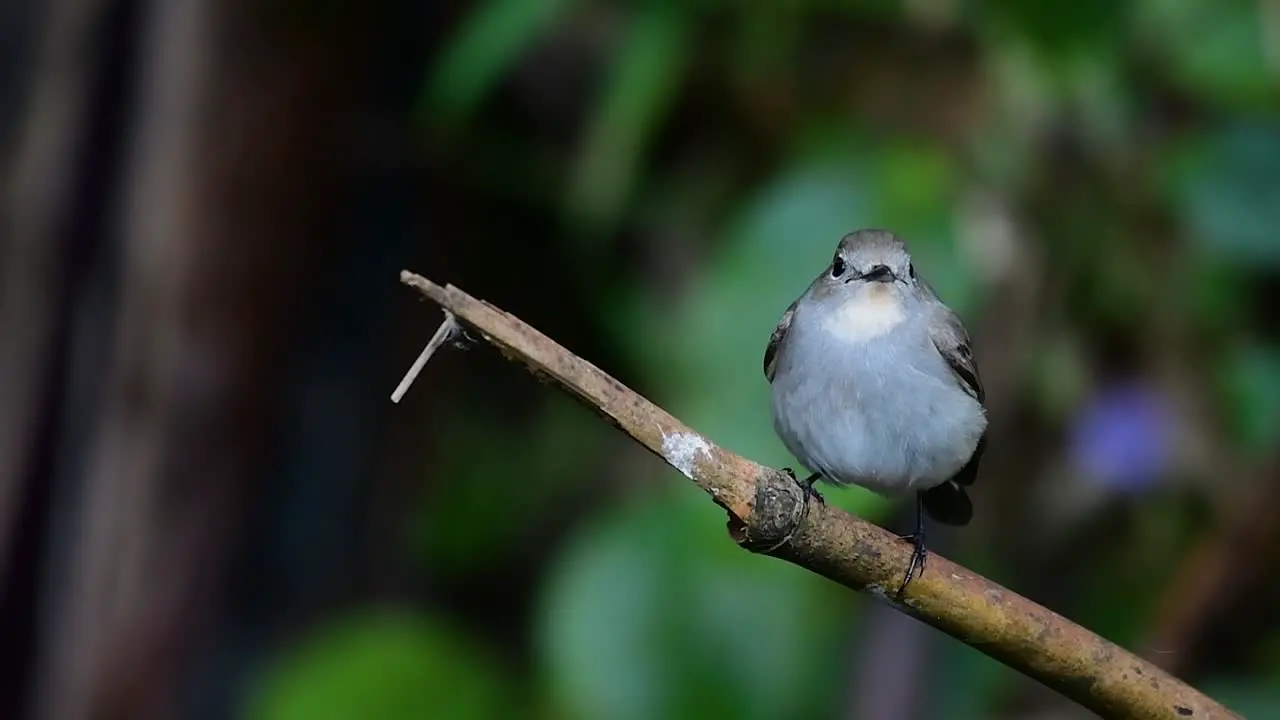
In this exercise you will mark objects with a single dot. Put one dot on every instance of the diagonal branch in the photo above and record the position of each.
(768, 514)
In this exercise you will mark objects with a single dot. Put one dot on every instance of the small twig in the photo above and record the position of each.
(446, 330)
(767, 509)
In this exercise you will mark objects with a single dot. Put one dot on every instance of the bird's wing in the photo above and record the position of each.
(775, 340)
(952, 341)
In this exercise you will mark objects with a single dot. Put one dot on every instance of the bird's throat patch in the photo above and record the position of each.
(866, 315)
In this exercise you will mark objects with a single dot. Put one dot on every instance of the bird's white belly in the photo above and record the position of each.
(884, 414)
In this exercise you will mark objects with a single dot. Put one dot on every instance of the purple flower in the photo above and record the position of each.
(1123, 437)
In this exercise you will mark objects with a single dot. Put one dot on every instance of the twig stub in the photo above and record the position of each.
(443, 333)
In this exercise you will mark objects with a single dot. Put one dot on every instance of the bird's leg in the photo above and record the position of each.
(811, 491)
(807, 485)
(918, 552)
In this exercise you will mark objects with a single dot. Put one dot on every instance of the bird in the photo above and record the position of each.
(873, 383)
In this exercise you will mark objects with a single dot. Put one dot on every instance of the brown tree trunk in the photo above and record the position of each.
(229, 190)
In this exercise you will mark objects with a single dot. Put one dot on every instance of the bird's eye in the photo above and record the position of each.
(911, 270)
(837, 267)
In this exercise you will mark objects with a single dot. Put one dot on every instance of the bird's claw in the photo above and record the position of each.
(918, 555)
(810, 492)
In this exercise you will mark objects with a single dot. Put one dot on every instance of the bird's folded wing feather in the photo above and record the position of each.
(775, 341)
(952, 341)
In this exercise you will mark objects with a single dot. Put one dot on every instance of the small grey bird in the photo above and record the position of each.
(873, 383)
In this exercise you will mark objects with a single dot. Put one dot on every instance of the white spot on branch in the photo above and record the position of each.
(682, 449)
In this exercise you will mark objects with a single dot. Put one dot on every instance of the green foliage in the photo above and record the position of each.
(645, 74)
(1251, 382)
(492, 499)
(1057, 375)
(384, 664)
(488, 44)
(1232, 202)
(1057, 29)
(1213, 49)
(1216, 298)
(654, 613)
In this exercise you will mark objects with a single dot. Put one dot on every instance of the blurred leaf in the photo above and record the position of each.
(1120, 291)
(1232, 204)
(484, 48)
(1251, 379)
(765, 39)
(1216, 296)
(1103, 101)
(642, 82)
(386, 665)
(1214, 48)
(1027, 99)
(1082, 25)
(1059, 374)
(914, 178)
(654, 613)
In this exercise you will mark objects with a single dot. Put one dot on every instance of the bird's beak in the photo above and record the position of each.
(879, 273)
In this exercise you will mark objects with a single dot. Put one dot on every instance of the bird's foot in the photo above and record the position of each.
(806, 485)
(918, 555)
(813, 494)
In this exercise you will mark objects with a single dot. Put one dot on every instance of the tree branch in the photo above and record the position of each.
(768, 514)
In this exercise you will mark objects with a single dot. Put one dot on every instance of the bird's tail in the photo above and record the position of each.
(949, 504)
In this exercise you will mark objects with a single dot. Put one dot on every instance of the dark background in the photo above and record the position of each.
(209, 508)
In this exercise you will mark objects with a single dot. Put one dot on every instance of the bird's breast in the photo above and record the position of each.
(865, 315)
